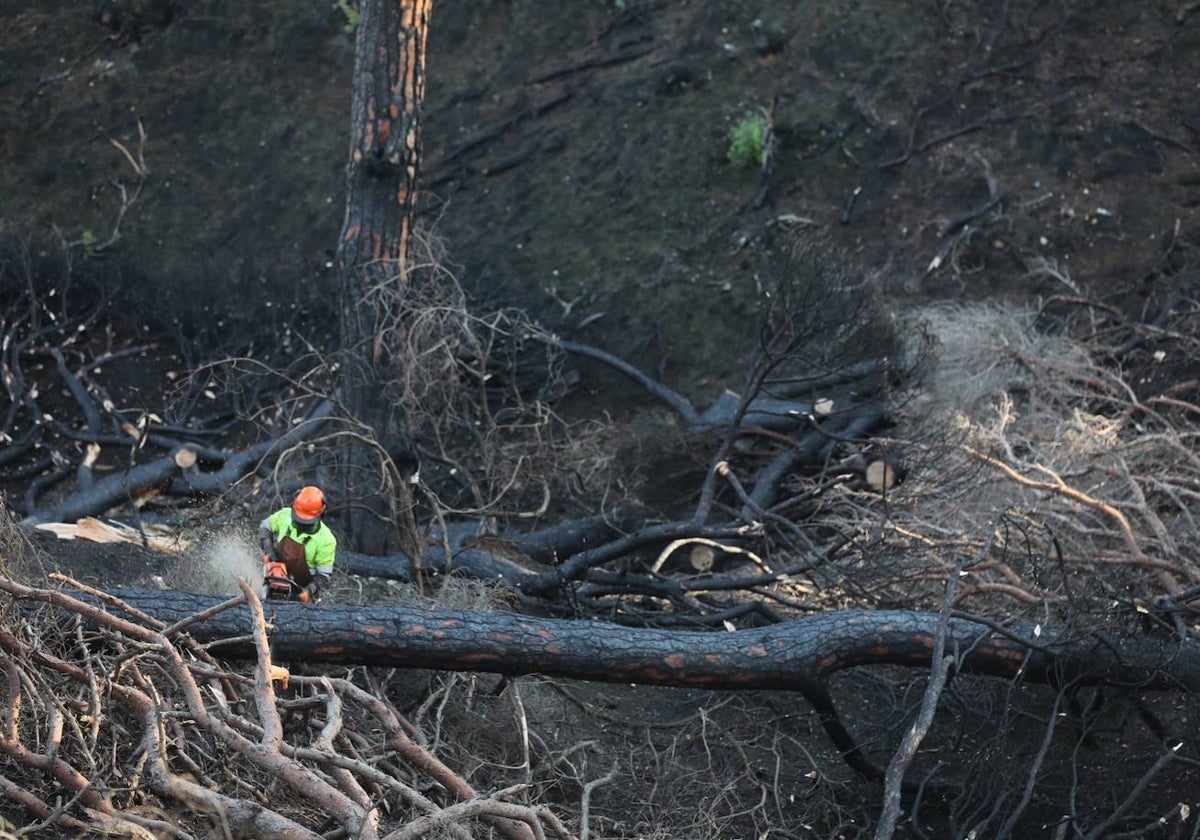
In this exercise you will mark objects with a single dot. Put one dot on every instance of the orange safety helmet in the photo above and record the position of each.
(309, 505)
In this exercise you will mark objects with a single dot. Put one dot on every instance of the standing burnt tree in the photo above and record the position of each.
(372, 253)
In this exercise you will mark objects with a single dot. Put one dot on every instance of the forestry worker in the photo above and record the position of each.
(298, 548)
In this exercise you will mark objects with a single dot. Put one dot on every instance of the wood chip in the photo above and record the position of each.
(94, 530)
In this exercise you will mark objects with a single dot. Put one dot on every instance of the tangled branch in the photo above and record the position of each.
(293, 743)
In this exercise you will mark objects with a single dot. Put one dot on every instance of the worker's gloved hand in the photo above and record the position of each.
(312, 592)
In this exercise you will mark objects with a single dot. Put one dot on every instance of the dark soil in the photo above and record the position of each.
(580, 156)
(575, 162)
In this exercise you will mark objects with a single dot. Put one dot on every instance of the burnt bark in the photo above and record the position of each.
(797, 655)
(556, 543)
(385, 124)
(510, 560)
(792, 655)
(372, 253)
(477, 564)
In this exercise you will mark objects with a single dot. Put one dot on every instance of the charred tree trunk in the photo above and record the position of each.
(372, 255)
(389, 85)
(787, 656)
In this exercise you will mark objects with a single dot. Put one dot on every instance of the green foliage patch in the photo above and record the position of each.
(352, 14)
(747, 141)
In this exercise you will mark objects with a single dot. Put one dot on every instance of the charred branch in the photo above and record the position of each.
(450, 167)
(244, 714)
(166, 473)
(551, 581)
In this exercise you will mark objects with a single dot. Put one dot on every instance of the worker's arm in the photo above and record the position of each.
(266, 540)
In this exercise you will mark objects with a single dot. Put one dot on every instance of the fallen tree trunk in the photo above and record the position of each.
(554, 544)
(787, 656)
(508, 559)
(477, 564)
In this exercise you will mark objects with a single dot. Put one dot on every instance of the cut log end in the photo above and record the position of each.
(701, 557)
(185, 458)
(881, 476)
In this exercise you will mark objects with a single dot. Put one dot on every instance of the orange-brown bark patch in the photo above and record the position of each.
(473, 659)
(1013, 655)
(369, 125)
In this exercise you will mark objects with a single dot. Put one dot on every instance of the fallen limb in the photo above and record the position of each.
(557, 542)
(497, 130)
(676, 401)
(121, 487)
(591, 63)
(574, 567)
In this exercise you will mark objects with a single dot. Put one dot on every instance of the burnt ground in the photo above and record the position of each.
(582, 155)
(575, 165)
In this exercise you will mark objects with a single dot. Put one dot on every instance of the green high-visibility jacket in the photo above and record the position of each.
(319, 547)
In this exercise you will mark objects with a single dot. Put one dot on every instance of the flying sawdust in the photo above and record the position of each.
(214, 566)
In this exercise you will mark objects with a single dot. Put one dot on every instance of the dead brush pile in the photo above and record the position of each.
(1063, 473)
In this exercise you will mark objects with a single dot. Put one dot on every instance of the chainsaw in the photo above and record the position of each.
(278, 584)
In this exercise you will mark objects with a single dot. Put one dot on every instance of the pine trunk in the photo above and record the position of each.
(372, 256)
